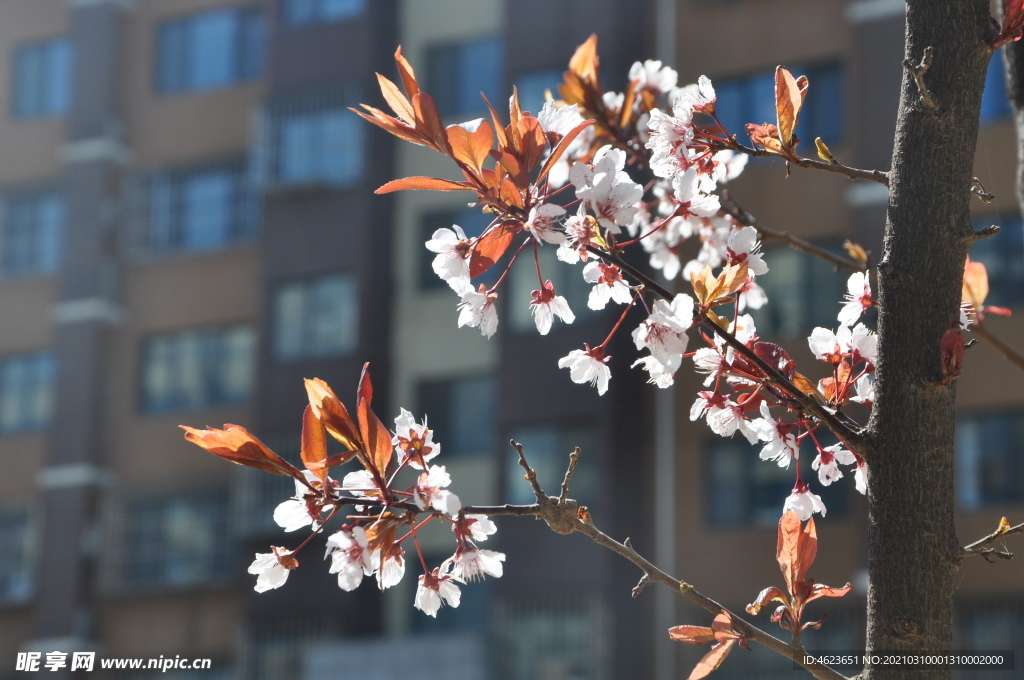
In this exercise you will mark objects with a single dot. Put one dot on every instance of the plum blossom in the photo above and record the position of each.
(860, 477)
(295, 513)
(606, 189)
(477, 310)
(452, 262)
(351, 559)
(473, 527)
(663, 333)
(581, 230)
(728, 165)
(858, 298)
(827, 463)
(609, 285)
(414, 442)
(743, 246)
(782, 445)
(435, 589)
(473, 564)
(692, 197)
(541, 223)
(804, 503)
(668, 140)
(360, 483)
(272, 568)
(559, 120)
(390, 567)
(699, 97)
(430, 492)
(588, 366)
(865, 390)
(724, 416)
(653, 76)
(830, 347)
(660, 374)
(546, 306)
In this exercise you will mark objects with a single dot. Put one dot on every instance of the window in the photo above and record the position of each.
(26, 392)
(556, 637)
(462, 413)
(197, 369)
(751, 99)
(314, 319)
(990, 463)
(210, 50)
(547, 446)
(567, 280)
(172, 541)
(473, 222)
(197, 209)
(994, 102)
(16, 557)
(803, 292)
(303, 12)
(531, 87)
(315, 140)
(744, 489)
(1003, 257)
(459, 72)
(255, 494)
(33, 227)
(42, 79)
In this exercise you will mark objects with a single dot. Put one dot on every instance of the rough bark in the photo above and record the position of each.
(914, 553)
(1013, 59)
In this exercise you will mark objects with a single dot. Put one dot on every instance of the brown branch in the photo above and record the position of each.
(568, 514)
(810, 163)
(927, 101)
(1009, 353)
(733, 209)
(841, 425)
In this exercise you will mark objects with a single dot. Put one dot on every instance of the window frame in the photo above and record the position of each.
(41, 239)
(146, 405)
(41, 384)
(309, 287)
(55, 80)
(175, 64)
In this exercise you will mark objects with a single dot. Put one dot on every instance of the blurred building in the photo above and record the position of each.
(188, 229)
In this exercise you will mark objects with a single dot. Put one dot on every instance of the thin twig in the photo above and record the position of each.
(979, 547)
(732, 208)
(1009, 353)
(574, 458)
(927, 101)
(878, 176)
(840, 424)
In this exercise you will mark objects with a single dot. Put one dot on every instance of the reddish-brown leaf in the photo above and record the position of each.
(788, 100)
(692, 635)
(314, 444)
(766, 597)
(391, 124)
(975, 284)
(236, 444)
(775, 356)
(561, 148)
(471, 146)
(376, 438)
(515, 112)
(332, 413)
(512, 166)
(396, 100)
(712, 660)
(765, 136)
(820, 590)
(805, 385)
(499, 129)
(585, 62)
(532, 141)
(428, 121)
(412, 88)
(423, 184)
(491, 246)
(796, 548)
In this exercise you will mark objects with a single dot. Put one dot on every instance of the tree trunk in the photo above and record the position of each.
(914, 553)
(1013, 59)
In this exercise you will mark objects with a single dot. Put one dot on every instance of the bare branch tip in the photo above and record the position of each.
(986, 232)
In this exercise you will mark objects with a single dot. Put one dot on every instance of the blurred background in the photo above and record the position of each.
(188, 229)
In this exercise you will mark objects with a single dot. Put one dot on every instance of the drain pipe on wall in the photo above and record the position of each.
(665, 435)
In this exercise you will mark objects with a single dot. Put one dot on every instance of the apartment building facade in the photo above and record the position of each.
(187, 229)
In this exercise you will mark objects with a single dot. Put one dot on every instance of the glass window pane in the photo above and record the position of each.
(533, 85)
(58, 83)
(288, 315)
(197, 369)
(300, 12)
(297, 148)
(213, 40)
(206, 210)
(26, 392)
(340, 9)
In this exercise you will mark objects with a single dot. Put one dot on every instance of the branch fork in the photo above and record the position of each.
(926, 100)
